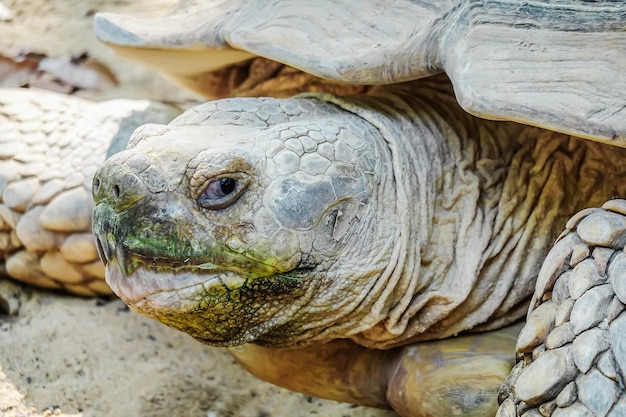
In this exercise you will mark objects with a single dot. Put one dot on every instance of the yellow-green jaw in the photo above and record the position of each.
(178, 273)
(217, 308)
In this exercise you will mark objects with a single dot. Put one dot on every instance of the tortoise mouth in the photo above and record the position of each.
(132, 258)
(219, 308)
(136, 276)
(162, 286)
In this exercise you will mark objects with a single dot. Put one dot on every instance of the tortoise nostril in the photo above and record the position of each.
(118, 186)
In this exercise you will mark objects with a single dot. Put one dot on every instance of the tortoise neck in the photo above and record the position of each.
(483, 202)
(448, 170)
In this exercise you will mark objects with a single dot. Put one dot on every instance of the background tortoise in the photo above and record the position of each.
(50, 146)
(598, 118)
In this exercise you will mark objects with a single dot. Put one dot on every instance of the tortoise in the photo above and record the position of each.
(388, 237)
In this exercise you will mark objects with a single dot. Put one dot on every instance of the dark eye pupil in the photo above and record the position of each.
(227, 185)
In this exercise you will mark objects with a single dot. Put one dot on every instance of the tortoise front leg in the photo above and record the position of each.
(339, 370)
(572, 350)
(459, 376)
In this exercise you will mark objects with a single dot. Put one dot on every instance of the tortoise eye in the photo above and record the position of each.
(221, 193)
(226, 186)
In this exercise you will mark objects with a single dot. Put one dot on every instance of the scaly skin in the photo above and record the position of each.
(571, 356)
(387, 219)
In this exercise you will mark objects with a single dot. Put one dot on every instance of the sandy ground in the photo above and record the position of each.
(61, 355)
(96, 358)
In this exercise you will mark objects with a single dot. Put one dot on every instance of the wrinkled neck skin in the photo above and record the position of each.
(477, 206)
(448, 174)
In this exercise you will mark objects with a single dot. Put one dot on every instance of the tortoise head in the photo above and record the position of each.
(243, 220)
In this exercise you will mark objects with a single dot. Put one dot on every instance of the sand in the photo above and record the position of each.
(87, 357)
(62, 355)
